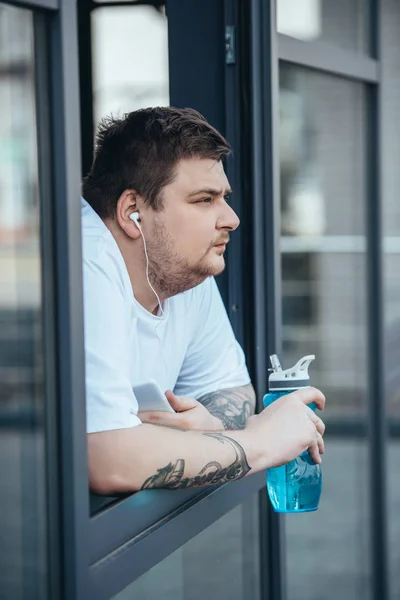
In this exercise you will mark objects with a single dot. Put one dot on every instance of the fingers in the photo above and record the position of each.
(318, 422)
(311, 394)
(314, 452)
(317, 447)
(161, 417)
(180, 403)
(321, 443)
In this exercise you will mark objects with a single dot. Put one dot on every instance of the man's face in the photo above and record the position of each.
(187, 239)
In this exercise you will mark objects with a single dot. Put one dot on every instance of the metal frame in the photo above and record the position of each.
(238, 252)
(85, 83)
(56, 78)
(129, 561)
(266, 256)
(73, 477)
(327, 58)
(377, 423)
(34, 4)
(240, 270)
(43, 104)
(110, 529)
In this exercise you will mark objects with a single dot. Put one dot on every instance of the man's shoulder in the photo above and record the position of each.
(94, 233)
(102, 260)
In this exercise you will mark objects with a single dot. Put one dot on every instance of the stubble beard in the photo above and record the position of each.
(170, 273)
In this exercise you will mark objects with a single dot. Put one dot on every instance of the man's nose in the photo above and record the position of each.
(228, 219)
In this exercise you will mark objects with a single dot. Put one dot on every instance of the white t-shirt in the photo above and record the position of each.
(191, 349)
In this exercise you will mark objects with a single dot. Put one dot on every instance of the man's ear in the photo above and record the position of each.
(128, 203)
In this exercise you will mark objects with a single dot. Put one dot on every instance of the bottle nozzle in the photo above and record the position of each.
(275, 362)
(292, 378)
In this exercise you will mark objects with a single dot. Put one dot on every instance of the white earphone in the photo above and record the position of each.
(135, 218)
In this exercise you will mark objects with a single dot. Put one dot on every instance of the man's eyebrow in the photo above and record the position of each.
(211, 192)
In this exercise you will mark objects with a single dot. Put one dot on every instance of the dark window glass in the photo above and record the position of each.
(220, 562)
(341, 23)
(322, 149)
(322, 158)
(22, 476)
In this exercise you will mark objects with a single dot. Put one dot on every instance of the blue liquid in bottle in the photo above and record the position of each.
(296, 486)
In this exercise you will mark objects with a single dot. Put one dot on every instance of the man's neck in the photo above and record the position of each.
(134, 258)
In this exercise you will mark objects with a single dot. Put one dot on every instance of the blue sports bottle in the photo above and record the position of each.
(294, 487)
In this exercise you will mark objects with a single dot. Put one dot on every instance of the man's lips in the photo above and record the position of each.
(223, 243)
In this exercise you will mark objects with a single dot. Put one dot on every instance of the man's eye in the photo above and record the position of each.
(205, 200)
(227, 198)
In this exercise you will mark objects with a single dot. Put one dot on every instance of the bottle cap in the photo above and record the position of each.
(291, 379)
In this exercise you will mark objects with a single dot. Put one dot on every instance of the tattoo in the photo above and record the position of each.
(232, 406)
(172, 475)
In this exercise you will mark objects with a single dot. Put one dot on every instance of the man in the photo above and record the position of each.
(156, 221)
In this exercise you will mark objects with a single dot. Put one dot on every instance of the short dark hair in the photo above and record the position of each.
(141, 150)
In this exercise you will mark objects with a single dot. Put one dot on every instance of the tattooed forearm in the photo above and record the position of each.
(232, 406)
(172, 475)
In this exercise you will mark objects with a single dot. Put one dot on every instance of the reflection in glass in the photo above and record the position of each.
(322, 147)
(130, 59)
(22, 518)
(342, 23)
(326, 551)
(322, 150)
(220, 562)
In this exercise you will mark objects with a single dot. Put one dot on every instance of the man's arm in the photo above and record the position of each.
(232, 406)
(229, 408)
(215, 361)
(150, 456)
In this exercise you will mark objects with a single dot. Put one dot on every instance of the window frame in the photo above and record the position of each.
(191, 511)
(77, 570)
(188, 511)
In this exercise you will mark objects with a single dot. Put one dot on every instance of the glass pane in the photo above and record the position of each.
(130, 59)
(22, 500)
(326, 551)
(390, 72)
(342, 23)
(322, 149)
(220, 562)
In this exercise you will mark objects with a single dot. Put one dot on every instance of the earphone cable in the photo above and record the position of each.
(147, 273)
(158, 300)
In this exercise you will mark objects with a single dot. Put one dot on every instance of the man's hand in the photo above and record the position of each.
(144, 457)
(289, 428)
(189, 414)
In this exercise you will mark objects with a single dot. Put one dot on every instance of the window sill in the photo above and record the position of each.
(133, 534)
